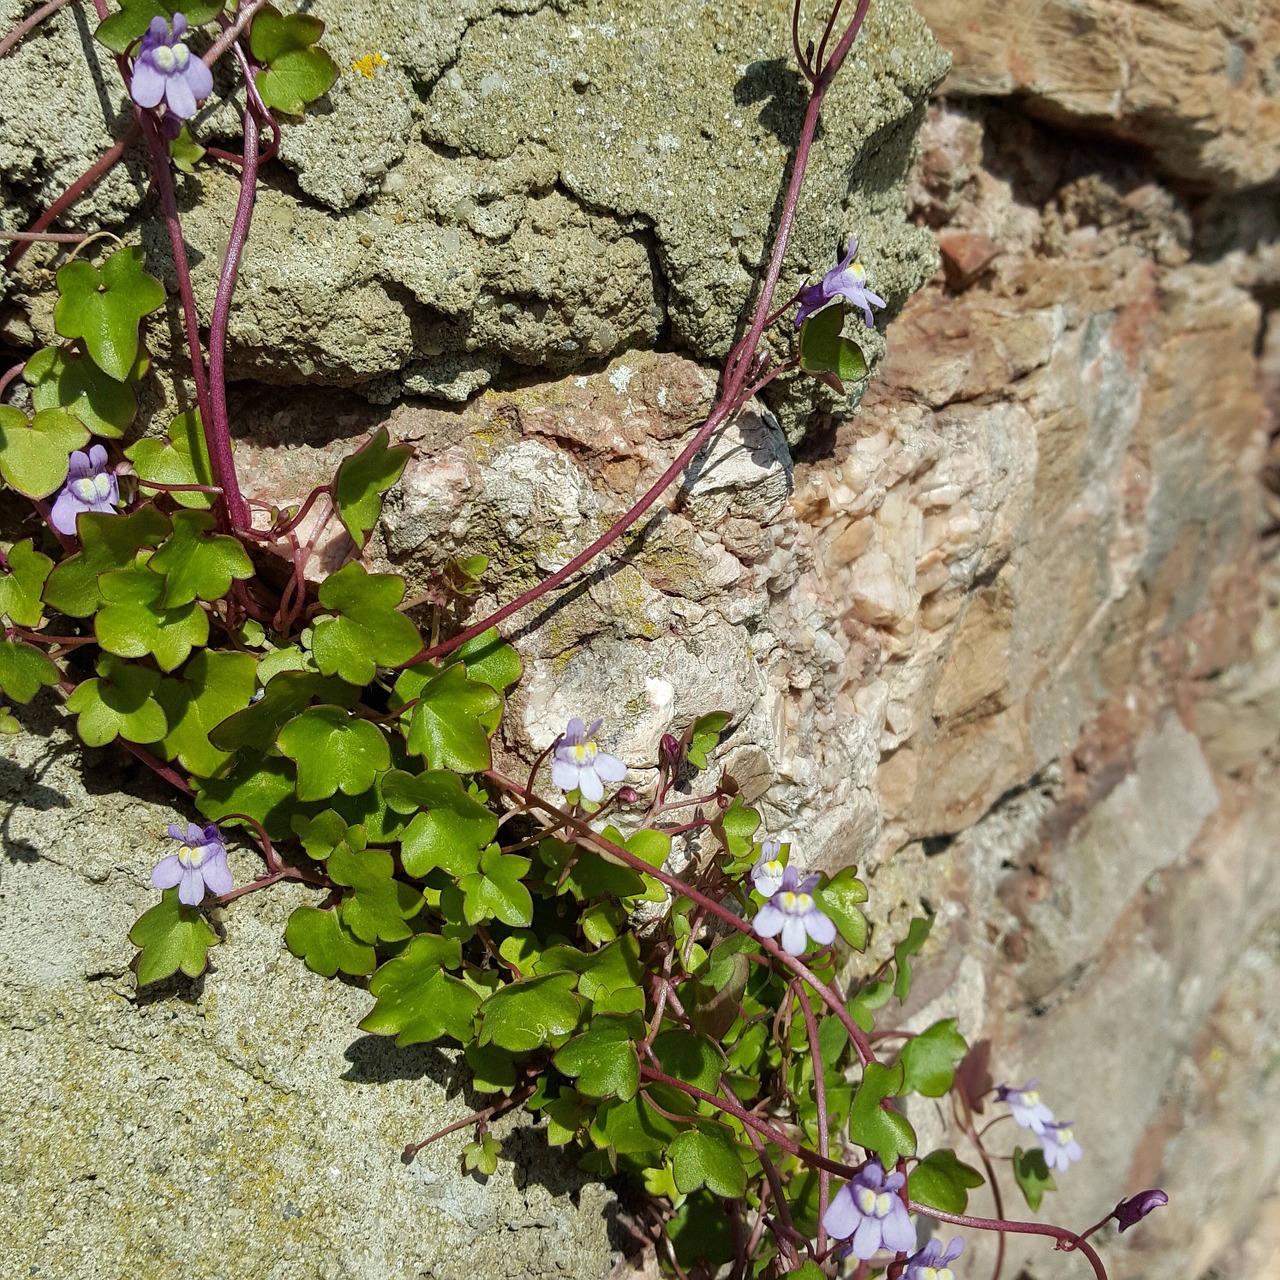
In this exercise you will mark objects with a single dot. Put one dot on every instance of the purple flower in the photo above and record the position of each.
(164, 70)
(199, 864)
(766, 875)
(1026, 1106)
(90, 487)
(931, 1263)
(577, 764)
(847, 281)
(793, 913)
(869, 1209)
(1130, 1212)
(1060, 1145)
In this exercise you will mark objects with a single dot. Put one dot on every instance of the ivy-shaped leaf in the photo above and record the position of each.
(260, 786)
(447, 725)
(929, 1059)
(1032, 1175)
(493, 1070)
(708, 1157)
(737, 827)
(8, 725)
(379, 904)
(695, 1059)
(634, 1128)
(603, 1059)
(121, 29)
(334, 751)
(824, 351)
(701, 1232)
(839, 898)
(35, 455)
(489, 659)
(107, 542)
(182, 459)
(23, 669)
(105, 306)
(363, 478)
(368, 631)
(197, 563)
(585, 874)
(134, 622)
(119, 702)
(454, 830)
(296, 71)
(532, 1012)
(171, 937)
(482, 1157)
(326, 944)
(419, 1002)
(871, 1125)
(908, 947)
(704, 736)
(283, 696)
(496, 891)
(185, 151)
(873, 996)
(71, 381)
(20, 588)
(322, 834)
(943, 1182)
(212, 686)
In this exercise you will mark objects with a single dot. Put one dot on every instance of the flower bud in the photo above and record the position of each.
(669, 750)
(628, 795)
(1131, 1211)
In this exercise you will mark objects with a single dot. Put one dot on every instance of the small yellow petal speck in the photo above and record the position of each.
(368, 64)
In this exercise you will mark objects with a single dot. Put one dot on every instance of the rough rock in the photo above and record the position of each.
(1193, 81)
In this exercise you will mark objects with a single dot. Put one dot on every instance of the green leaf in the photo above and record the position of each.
(808, 1270)
(929, 1059)
(379, 904)
(531, 1012)
(183, 459)
(107, 542)
(823, 350)
(172, 937)
(185, 151)
(35, 455)
(454, 830)
(496, 891)
(708, 1157)
(635, 1128)
(121, 29)
(322, 834)
(872, 1126)
(334, 751)
(212, 687)
(362, 480)
(368, 631)
(911, 944)
(704, 737)
(695, 1059)
(943, 1182)
(119, 702)
(8, 725)
(1032, 1174)
(417, 1000)
(737, 825)
(259, 786)
(134, 622)
(297, 72)
(20, 588)
(482, 1156)
(839, 898)
(493, 1070)
(283, 696)
(23, 669)
(70, 381)
(603, 1059)
(447, 725)
(322, 940)
(198, 564)
(105, 306)
(875, 995)
(701, 1231)
(489, 659)
(588, 875)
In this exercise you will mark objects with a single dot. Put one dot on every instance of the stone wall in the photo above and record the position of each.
(1008, 637)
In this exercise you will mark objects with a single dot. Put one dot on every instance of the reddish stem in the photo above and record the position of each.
(820, 1092)
(28, 24)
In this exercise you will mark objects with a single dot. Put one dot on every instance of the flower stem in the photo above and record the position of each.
(28, 24)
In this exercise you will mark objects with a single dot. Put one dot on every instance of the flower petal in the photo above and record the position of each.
(191, 887)
(795, 941)
(200, 80)
(769, 921)
(63, 514)
(564, 775)
(842, 1217)
(820, 927)
(177, 93)
(147, 86)
(217, 875)
(866, 1240)
(168, 871)
(591, 786)
(610, 768)
(897, 1230)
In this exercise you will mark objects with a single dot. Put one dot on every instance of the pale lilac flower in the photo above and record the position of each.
(1130, 1212)
(1026, 1106)
(1060, 1145)
(766, 875)
(848, 280)
(199, 864)
(164, 70)
(577, 764)
(793, 913)
(933, 1261)
(869, 1209)
(90, 487)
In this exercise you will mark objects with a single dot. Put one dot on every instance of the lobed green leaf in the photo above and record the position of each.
(197, 563)
(943, 1182)
(105, 306)
(21, 587)
(35, 456)
(322, 940)
(182, 459)
(364, 477)
(171, 936)
(212, 687)
(68, 380)
(119, 702)
(334, 751)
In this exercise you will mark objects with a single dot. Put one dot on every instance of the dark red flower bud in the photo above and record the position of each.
(628, 795)
(1130, 1212)
(669, 749)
